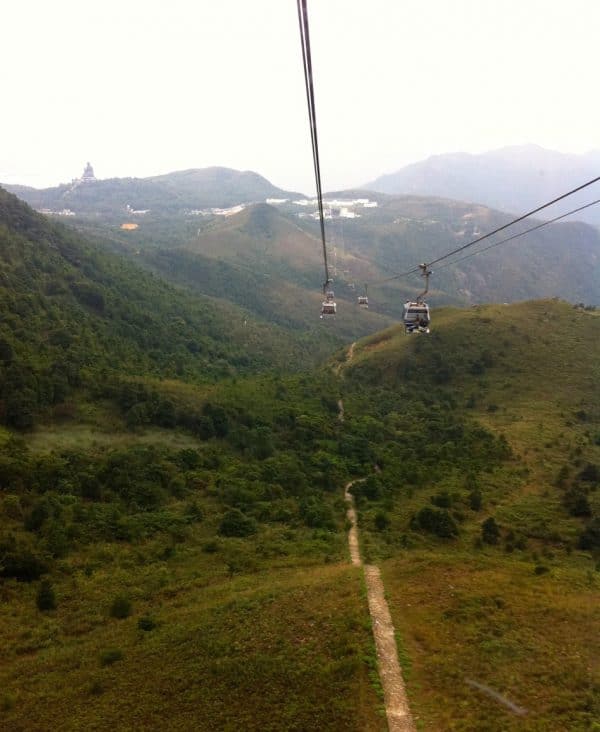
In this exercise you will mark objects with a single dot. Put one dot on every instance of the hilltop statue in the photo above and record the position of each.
(88, 174)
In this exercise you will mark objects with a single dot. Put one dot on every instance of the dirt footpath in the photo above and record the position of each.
(396, 704)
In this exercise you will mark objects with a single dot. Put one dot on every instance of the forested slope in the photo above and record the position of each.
(73, 313)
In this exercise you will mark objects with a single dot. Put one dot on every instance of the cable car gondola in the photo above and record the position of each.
(363, 300)
(415, 314)
(328, 306)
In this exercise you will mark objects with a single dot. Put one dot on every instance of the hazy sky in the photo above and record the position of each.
(146, 87)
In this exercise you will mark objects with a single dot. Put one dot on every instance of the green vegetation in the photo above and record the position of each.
(173, 542)
(162, 194)
(490, 549)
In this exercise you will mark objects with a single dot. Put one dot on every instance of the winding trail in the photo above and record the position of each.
(398, 714)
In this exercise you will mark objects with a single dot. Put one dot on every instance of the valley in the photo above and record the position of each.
(300, 367)
(173, 545)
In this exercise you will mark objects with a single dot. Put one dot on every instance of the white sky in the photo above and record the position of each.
(142, 87)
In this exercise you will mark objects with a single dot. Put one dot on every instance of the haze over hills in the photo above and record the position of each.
(514, 179)
(267, 256)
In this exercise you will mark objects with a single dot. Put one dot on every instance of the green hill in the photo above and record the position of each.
(262, 260)
(486, 509)
(161, 194)
(166, 522)
(73, 314)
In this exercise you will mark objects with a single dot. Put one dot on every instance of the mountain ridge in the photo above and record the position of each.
(513, 179)
(194, 188)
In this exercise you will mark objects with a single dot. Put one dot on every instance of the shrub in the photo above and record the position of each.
(96, 689)
(590, 536)
(107, 658)
(438, 522)
(490, 531)
(236, 523)
(7, 703)
(475, 500)
(590, 473)
(562, 476)
(57, 541)
(121, 607)
(20, 562)
(381, 521)
(146, 623)
(46, 597)
(441, 500)
(576, 503)
(541, 569)
(317, 515)
(370, 488)
(193, 512)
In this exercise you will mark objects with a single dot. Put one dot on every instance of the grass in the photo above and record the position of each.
(532, 638)
(84, 436)
(522, 620)
(271, 631)
(272, 649)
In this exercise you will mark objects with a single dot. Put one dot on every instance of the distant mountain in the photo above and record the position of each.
(174, 192)
(513, 179)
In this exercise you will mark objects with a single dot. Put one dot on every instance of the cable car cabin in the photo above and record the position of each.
(416, 317)
(363, 301)
(328, 307)
(329, 296)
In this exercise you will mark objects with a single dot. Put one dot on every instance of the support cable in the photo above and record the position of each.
(501, 228)
(522, 233)
(312, 118)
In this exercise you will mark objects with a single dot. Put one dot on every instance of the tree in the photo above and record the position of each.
(475, 500)
(236, 523)
(381, 521)
(46, 597)
(490, 531)
(437, 521)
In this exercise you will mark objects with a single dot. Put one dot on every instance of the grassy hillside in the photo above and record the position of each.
(490, 554)
(201, 547)
(265, 262)
(207, 560)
